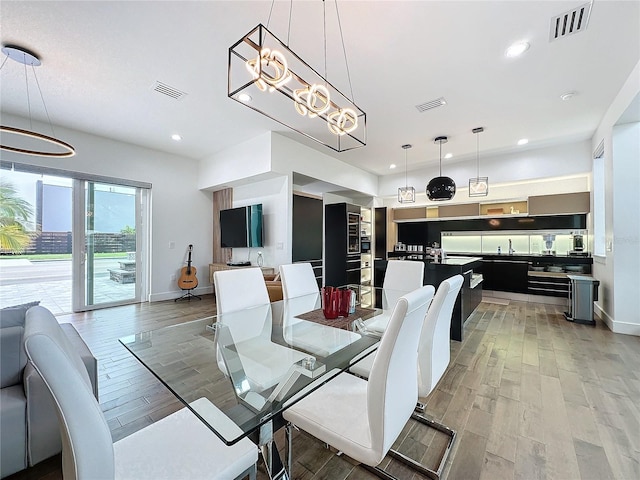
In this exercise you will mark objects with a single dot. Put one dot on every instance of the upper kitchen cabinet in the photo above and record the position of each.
(460, 210)
(411, 213)
(559, 204)
(518, 207)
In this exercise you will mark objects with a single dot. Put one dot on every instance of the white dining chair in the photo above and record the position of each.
(301, 295)
(239, 288)
(178, 446)
(243, 306)
(297, 280)
(401, 277)
(433, 359)
(363, 418)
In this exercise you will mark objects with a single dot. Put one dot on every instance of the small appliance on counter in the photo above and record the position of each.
(578, 246)
(548, 243)
(578, 243)
(400, 247)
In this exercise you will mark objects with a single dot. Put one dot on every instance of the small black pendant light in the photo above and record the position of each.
(441, 188)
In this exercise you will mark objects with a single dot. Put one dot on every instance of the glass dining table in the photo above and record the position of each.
(250, 365)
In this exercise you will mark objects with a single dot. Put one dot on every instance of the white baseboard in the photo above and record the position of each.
(625, 328)
(159, 297)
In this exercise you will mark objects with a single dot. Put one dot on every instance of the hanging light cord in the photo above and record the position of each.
(478, 154)
(406, 184)
(270, 12)
(344, 51)
(290, 15)
(440, 141)
(26, 83)
(324, 34)
(289, 27)
(46, 110)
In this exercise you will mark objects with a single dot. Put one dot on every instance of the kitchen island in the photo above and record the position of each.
(435, 272)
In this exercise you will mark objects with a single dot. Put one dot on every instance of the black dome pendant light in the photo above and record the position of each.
(441, 188)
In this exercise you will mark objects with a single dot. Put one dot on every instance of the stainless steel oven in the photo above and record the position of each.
(365, 245)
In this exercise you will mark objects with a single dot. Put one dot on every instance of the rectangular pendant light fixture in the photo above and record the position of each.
(406, 194)
(479, 187)
(266, 76)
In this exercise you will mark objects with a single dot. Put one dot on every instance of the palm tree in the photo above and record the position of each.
(14, 213)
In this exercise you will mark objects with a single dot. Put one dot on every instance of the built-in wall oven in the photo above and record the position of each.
(365, 245)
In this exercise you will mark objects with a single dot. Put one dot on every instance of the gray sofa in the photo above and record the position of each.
(29, 431)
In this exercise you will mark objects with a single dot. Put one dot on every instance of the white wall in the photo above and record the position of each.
(626, 226)
(274, 195)
(180, 213)
(289, 156)
(241, 164)
(616, 307)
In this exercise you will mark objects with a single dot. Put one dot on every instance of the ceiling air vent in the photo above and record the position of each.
(169, 91)
(438, 102)
(570, 22)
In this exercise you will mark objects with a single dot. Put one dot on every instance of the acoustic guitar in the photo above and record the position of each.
(188, 280)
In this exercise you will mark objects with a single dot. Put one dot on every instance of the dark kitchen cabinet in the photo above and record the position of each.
(380, 229)
(342, 244)
(505, 275)
(307, 233)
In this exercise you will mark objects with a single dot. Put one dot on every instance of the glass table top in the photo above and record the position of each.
(252, 364)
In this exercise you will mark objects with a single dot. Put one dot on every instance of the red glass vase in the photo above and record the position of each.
(330, 302)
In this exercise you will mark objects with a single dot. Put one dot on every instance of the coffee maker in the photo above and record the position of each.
(578, 245)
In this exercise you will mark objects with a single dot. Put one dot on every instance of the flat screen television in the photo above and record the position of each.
(241, 227)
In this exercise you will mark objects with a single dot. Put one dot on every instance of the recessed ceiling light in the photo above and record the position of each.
(243, 97)
(448, 155)
(523, 141)
(392, 166)
(568, 95)
(517, 49)
(176, 137)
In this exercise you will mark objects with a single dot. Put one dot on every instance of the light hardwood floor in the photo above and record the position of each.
(531, 395)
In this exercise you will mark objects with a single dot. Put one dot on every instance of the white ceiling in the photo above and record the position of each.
(100, 60)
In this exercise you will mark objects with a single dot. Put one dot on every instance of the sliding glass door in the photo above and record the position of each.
(109, 244)
(72, 241)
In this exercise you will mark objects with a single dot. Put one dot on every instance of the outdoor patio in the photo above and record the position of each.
(50, 282)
